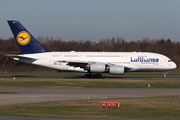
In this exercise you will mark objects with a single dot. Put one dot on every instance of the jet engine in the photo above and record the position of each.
(117, 70)
(101, 68)
(97, 68)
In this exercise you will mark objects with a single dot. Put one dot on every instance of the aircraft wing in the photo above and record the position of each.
(83, 64)
(76, 63)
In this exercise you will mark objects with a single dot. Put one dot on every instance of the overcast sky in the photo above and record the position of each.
(94, 19)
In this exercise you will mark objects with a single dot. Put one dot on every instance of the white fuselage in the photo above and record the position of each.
(136, 61)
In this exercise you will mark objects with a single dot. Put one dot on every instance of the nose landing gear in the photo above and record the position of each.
(165, 74)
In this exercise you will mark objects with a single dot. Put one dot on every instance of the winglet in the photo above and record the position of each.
(27, 43)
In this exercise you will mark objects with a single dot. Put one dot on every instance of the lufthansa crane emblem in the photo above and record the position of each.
(23, 38)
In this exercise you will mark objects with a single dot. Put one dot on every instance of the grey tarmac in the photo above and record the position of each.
(8, 117)
(35, 95)
(81, 77)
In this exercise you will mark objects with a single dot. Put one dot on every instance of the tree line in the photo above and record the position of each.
(166, 47)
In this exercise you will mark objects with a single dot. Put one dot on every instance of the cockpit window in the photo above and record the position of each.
(169, 60)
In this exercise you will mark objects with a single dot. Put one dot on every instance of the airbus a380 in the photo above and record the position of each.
(90, 62)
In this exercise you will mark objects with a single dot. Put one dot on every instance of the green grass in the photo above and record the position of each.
(88, 83)
(174, 73)
(160, 107)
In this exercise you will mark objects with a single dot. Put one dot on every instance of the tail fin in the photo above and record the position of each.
(27, 43)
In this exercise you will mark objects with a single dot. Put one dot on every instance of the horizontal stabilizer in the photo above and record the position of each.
(21, 56)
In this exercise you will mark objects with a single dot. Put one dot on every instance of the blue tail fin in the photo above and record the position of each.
(27, 43)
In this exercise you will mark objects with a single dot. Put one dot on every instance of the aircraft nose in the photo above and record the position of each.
(174, 66)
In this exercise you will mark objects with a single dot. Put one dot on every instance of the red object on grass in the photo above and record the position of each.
(109, 104)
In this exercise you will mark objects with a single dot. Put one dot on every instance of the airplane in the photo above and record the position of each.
(91, 63)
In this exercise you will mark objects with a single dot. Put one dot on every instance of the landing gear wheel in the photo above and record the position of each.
(85, 75)
(99, 75)
(164, 76)
(88, 75)
(93, 76)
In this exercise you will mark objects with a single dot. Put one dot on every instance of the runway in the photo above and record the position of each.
(35, 95)
(7, 117)
(81, 77)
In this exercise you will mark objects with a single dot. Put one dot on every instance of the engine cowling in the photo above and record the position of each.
(117, 70)
(97, 68)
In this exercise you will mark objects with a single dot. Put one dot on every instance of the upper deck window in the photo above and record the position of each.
(54, 55)
(102, 56)
(71, 55)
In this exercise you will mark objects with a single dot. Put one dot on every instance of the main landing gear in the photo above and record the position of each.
(90, 75)
(165, 74)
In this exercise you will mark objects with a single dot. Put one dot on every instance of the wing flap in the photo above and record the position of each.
(76, 63)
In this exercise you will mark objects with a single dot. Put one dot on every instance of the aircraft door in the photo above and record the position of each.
(50, 60)
(53, 59)
(161, 63)
(81, 56)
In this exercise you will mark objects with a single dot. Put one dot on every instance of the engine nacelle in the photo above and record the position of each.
(117, 70)
(97, 68)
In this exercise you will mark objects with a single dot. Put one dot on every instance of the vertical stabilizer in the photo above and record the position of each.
(27, 43)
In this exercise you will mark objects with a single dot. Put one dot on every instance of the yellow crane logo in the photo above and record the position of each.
(23, 38)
